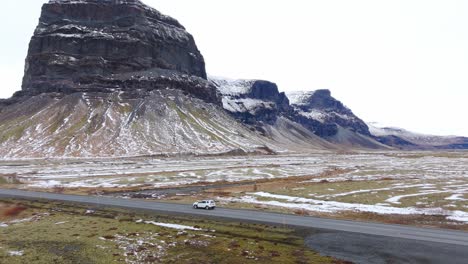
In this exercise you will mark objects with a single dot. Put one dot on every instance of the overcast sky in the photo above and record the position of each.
(401, 63)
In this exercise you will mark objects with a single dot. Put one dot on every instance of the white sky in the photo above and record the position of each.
(398, 62)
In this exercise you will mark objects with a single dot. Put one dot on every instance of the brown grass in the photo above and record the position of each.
(248, 185)
(262, 184)
(12, 211)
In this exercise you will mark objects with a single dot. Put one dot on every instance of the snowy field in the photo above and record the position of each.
(401, 183)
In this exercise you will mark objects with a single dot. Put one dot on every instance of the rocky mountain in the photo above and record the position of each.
(330, 119)
(404, 139)
(159, 122)
(116, 78)
(323, 114)
(254, 102)
(260, 106)
(316, 114)
(91, 45)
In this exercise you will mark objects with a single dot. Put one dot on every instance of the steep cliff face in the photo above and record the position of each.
(116, 78)
(162, 122)
(323, 114)
(254, 102)
(315, 119)
(91, 45)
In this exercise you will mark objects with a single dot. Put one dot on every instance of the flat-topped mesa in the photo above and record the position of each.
(111, 44)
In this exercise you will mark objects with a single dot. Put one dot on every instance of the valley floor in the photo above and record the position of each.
(416, 188)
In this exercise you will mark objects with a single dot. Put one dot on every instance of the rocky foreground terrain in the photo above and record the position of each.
(118, 78)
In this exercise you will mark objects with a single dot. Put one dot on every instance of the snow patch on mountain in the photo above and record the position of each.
(231, 87)
(103, 125)
(378, 129)
(299, 97)
(315, 115)
(242, 105)
(246, 96)
(301, 101)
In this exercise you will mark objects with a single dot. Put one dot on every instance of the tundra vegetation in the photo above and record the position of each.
(417, 188)
(47, 232)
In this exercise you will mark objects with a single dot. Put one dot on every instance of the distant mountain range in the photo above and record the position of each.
(402, 138)
(126, 80)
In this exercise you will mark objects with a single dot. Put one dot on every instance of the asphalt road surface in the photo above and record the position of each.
(329, 231)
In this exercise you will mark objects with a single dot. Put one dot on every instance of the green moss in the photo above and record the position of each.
(14, 129)
(57, 121)
(202, 116)
(14, 133)
(124, 109)
(77, 126)
(95, 123)
(9, 179)
(192, 122)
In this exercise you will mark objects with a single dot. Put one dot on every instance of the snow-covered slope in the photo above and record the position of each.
(314, 120)
(232, 87)
(236, 96)
(254, 102)
(259, 105)
(121, 124)
(299, 97)
(330, 119)
(321, 107)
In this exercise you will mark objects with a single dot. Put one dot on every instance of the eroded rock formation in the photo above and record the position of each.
(91, 45)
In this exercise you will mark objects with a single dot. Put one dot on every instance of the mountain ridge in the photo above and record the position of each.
(118, 78)
(402, 138)
(260, 104)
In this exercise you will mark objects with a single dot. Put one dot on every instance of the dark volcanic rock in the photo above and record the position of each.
(268, 91)
(91, 45)
(395, 141)
(4, 103)
(323, 114)
(254, 102)
(404, 139)
(260, 103)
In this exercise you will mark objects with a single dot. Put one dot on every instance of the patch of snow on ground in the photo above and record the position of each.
(173, 226)
(456, 197)
(459, 216)
(333, 207)
(46, 184)
(396, 199)
(16, 253)
(373, 190)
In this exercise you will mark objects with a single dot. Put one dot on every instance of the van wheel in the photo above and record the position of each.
(207, 208)
(195, 207)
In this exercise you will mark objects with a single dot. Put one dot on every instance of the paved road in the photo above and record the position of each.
(458, 238)
(370, 249)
